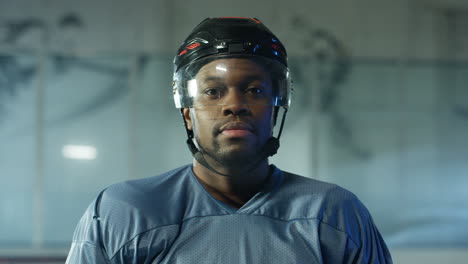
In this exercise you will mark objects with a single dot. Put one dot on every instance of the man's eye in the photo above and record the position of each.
(255, 90)
(212, 91)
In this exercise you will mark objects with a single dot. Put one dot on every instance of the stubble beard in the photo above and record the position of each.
(231, 159)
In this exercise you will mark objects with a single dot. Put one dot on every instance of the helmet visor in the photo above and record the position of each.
(215, 82)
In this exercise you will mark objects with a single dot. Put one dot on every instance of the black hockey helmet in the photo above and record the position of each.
(230, 36)
(227, 37)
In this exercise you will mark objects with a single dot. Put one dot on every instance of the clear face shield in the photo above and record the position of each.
(214, 84)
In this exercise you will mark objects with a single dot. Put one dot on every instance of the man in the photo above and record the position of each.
(230, 206)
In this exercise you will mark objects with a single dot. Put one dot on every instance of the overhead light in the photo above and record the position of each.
(81, 152)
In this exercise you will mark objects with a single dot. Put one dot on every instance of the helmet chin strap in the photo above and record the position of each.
(269, 149)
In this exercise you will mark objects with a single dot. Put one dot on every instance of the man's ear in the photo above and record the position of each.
(188, 119)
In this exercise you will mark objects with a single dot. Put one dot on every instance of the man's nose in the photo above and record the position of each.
(235, 103)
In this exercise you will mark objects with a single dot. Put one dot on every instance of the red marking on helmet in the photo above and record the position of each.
(256, 20)
(276, 47)
(183, 52)
(193, 46)
(251, 18)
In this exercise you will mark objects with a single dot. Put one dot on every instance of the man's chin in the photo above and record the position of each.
(236, 153)
(238, 156)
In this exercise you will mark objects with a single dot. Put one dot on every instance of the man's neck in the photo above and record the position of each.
(237, 188)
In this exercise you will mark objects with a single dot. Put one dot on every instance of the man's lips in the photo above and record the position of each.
(237, 129)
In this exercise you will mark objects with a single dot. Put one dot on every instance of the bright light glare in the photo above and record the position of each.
(177, 99)
(192, 87)
(79, 152)
(221, 68)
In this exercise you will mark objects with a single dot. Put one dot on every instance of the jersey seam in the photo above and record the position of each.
(203, 216)
(310, 218)
(83, 242)
(337, 229)
(135, 236)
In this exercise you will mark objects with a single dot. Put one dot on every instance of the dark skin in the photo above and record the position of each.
(232, 134)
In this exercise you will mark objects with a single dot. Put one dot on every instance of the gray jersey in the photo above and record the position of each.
(172, 219)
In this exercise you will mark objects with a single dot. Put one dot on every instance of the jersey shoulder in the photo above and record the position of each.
(327, 193)
(149, 198)
(339, 213)
(128, 209)
(302, 197)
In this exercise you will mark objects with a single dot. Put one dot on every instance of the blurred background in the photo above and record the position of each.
(380, 108)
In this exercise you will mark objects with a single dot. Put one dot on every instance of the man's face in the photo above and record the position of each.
(232, 110)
